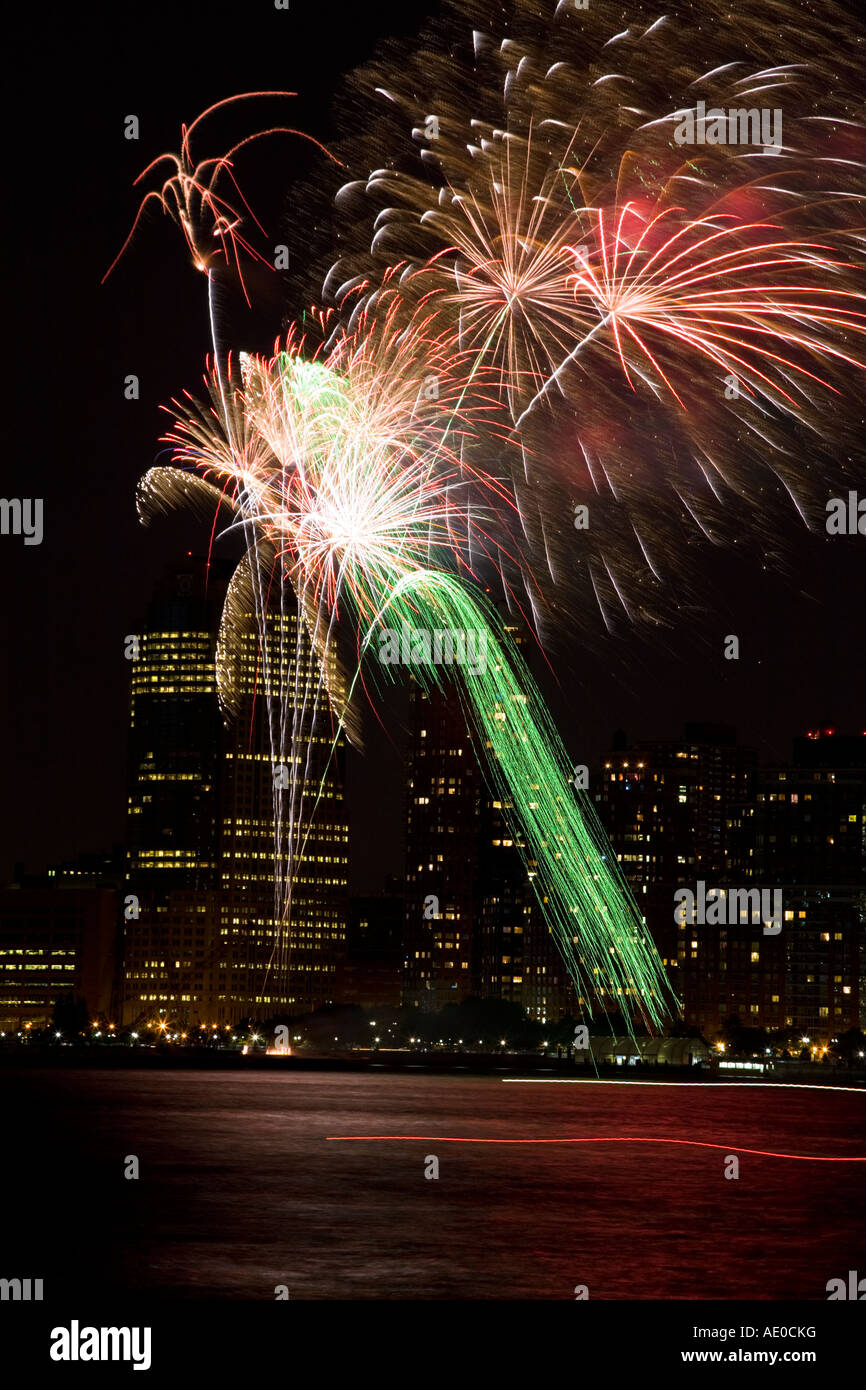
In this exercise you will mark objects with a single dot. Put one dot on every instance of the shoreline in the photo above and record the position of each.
(526, 1065)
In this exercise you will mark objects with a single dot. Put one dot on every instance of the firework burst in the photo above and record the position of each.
(690, 317)
(191, 195)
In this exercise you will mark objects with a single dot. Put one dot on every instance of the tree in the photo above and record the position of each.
(681, 1029)
(347, 1023)
(71, 1016)
(849, 1045)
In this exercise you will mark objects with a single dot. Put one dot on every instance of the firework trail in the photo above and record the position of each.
(583, 895)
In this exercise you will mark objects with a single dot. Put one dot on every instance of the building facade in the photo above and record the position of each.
(697, 814)
(57, 943)
(474, 923)
(225, 920)
(444, 792)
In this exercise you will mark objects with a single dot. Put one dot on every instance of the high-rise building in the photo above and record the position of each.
(518, 957)
(172, 946)
(673, 810)
(803, 840)
(284, 906)
(175, 733)
(698, 812)
(808, 826)
(371, 971)
(444, 792)
(672, 807)
(490, 937)
(210, 937)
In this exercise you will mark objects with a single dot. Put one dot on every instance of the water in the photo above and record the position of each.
(240, 1191)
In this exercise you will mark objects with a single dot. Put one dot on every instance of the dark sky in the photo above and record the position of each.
(72, 439)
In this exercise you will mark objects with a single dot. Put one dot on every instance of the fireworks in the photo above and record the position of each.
(347, 480)
(211, 224)
(348, 458)
(583, 895)
(677, 327)
(550, 299)
(686, 306)
(340, 464)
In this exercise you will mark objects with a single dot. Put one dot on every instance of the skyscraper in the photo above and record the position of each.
(175, 732)
(673, 810)
(171, 939)
(809, 832)
(442, 825)
(697, 810)
(463, 863)
(283, 907)
(208, 937)
(518, 957)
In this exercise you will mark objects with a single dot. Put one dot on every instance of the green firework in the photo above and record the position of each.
(582, 891)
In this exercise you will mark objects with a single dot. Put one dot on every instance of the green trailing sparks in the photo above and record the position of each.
(582, 892)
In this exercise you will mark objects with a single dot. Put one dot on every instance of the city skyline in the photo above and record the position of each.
(470, 924)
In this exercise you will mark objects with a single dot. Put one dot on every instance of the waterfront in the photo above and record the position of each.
(240, 1189)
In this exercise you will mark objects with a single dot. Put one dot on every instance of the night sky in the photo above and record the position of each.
(72, 439)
